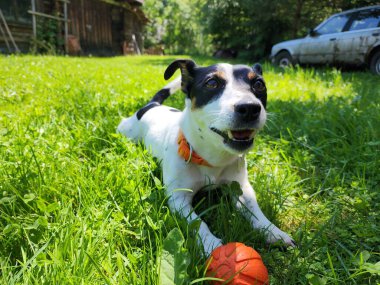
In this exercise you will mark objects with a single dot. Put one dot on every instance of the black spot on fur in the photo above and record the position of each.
(243, 73)
(187, 67)
(161, 96)
(194, 80)
(202, 96)
(174, 110)
(140, 113)
(257, 68)
(199, 94)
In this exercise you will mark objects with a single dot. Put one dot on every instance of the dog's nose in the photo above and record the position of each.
(248, 112)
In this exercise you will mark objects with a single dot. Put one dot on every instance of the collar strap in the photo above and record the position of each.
(186, 151)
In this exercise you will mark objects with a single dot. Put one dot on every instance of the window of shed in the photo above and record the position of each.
(16, 11)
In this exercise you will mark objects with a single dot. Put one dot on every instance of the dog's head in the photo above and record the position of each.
(226, 101)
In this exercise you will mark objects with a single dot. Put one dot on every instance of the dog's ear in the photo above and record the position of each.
(257, 68)
(187, 67)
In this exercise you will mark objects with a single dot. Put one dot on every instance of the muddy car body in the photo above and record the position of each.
(350, 38)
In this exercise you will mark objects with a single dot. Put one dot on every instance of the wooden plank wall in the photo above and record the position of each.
(18, 23)
(91, 23)
(101, 28)
(22, 34)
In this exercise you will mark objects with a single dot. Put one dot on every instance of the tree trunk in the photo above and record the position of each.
(297, 17)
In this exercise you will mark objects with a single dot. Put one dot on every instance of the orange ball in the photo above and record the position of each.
(238, 264)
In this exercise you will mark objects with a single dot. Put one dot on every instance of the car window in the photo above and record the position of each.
(333, 25)
(366, 20)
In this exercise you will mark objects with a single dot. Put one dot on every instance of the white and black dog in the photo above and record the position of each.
(206, 142)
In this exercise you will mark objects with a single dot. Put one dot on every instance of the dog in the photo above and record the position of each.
(206, 143)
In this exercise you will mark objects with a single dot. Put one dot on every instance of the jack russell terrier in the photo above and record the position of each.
(206, 142)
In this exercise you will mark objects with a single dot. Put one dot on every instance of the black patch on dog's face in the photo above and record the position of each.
(252, 77)
(203, 85)
(208, 83)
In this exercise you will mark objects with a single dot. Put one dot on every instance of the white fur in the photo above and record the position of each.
(174, 85)
(158, 129)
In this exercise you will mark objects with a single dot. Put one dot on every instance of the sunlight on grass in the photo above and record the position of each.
(307, 84)
(80, 204)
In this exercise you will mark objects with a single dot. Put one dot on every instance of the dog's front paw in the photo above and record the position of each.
(275, 235)
(210, 242)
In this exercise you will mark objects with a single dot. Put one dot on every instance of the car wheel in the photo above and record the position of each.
(283, 59)
(374, 63)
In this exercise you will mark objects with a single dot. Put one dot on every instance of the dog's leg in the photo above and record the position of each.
(181, 202)
(248, 205)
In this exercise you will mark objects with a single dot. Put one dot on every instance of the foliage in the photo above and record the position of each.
(250, 27)
(176, 25)
(253, 26)
(174, 260)
(80, 204)
(48, 40)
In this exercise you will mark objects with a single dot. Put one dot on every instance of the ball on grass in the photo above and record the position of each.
(238, 264)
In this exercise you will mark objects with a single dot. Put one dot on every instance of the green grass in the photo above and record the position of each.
(82, 205)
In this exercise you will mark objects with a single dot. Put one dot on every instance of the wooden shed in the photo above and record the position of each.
(97, 27)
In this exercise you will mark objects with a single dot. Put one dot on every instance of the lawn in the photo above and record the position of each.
(79, 204)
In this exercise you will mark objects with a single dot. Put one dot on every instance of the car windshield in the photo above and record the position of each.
(333, 25)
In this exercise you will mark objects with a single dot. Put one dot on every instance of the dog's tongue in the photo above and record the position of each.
(242, 135)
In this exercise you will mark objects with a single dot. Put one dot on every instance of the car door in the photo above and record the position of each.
(364, 31)
(319, 44)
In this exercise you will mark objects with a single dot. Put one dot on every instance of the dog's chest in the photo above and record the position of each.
(217, 175)
(210, 175)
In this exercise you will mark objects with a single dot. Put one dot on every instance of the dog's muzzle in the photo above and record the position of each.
(247, 112)
(246, 116)
(239, 140)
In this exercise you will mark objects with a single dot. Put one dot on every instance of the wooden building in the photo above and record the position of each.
(97, 27)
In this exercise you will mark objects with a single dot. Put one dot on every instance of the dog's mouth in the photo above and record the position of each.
(239, 140)
(241, 135)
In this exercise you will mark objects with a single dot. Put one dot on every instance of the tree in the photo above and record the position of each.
(249, 26)
(177, 25)
(246, 25)
(253, 26)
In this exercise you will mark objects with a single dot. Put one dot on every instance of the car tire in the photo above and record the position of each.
(374, 63)
(283, 59)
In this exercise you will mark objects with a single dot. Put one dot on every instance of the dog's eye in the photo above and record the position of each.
(258, 86)
(212, 83)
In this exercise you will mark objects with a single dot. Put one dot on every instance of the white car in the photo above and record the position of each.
(351, 37)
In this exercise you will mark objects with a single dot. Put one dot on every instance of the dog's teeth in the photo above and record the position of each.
(230, 135)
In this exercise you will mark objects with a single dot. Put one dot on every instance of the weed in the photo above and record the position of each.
(82, 205)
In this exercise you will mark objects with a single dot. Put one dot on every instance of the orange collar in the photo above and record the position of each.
(186, 151)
